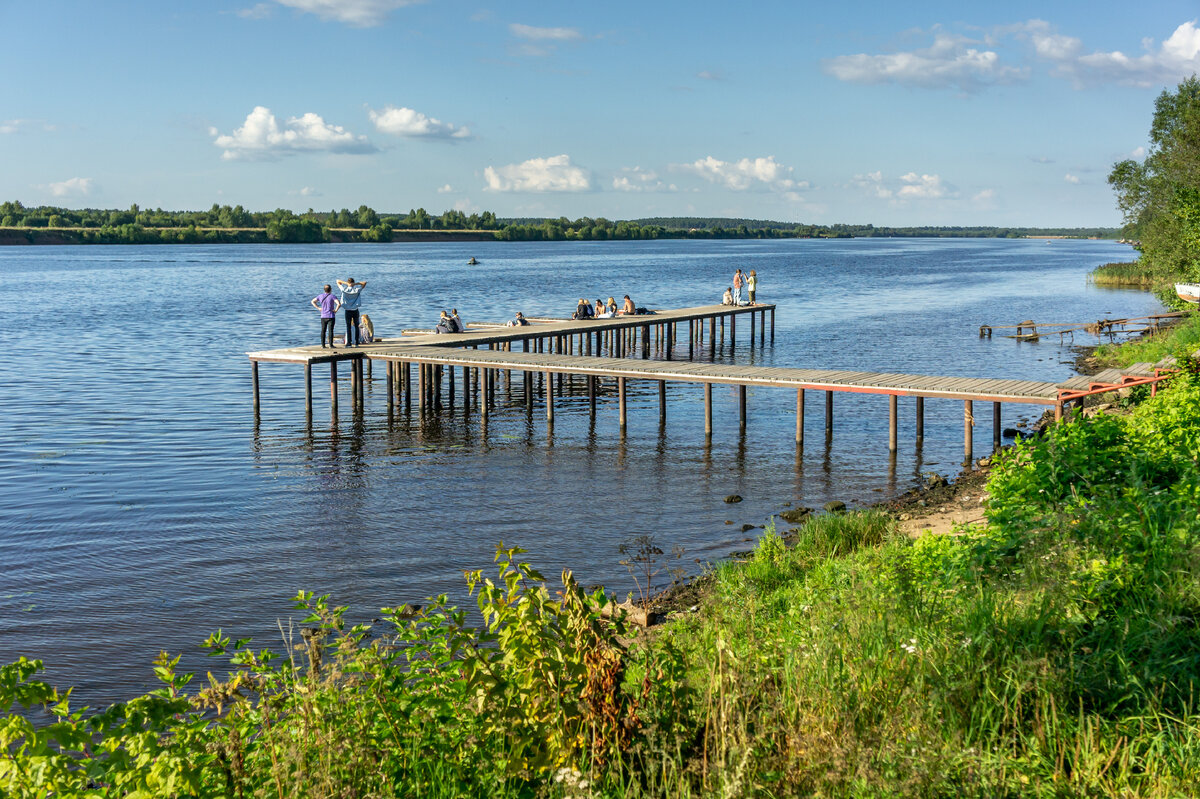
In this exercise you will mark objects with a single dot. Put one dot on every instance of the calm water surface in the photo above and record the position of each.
(142, 508)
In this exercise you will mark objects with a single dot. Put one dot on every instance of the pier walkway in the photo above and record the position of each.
(546, 352)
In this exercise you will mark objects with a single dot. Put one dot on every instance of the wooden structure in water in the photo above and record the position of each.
(435, 372)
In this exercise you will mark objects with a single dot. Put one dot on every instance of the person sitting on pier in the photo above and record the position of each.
(628, 308)
(727, 297)
(366, 330)
(583, 310)
(444, 324)
(520, 321)
(601, 310)
(612, 307)
(458, 322)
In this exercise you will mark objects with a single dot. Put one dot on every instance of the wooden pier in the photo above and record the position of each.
(619, 350)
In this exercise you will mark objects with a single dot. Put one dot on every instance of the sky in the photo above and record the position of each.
(922, 113)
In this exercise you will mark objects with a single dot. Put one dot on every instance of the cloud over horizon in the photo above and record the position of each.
(415, 125)
(556, 173)
(357, 13)
(72, 187)
(951, 62)
(745, 174)
(260, 137)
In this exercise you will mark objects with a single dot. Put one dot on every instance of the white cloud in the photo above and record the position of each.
(910, 186)
(745, 174)
(72, 187)
(359, 13)
(556, 173)
(925, 187)
(1175, 58)
(22, 125)
(305, 191)
(259, 11)
(984, 197)
(638, 179)
(1069, 178)
(415, 125)
(950, 62)
(710, 75)
(542, 41)
(1138, 152)
(261, 137)
(544, 34)
(446, 189)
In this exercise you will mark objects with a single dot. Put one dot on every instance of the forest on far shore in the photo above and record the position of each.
(20, 224)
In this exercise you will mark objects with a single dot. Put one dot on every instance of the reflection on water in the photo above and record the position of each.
(145, 506)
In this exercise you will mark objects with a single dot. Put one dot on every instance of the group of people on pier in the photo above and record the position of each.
(606, 310)
(359, 329)
(733, 294)
(450, 323)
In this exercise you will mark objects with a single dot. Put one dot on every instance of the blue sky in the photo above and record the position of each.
(894, 114)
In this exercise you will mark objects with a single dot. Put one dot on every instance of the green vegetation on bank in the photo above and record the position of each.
(1181, 337)
(1160, 197)
(223, 223)
(1052, 651)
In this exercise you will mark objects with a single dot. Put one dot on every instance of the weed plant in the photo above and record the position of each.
(1182, 337)
(1052, 651)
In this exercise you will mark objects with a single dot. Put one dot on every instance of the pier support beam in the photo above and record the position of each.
(762, 328)
(550, 399)
(920, 420)
(333, 409)
(742, 406)
(662, 402)
(621, 400)
(772, 325)
(968, 431)
(254, 383)
(893, 402)
(799, 417)
(708, 410)
(995, 426)
(308, 391)
(828, 413)
(391, 388)
(591, 381)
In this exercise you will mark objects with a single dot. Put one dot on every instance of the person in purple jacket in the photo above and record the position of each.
(328, 305)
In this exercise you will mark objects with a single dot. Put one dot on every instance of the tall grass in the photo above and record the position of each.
(1052, 651)
(1130, 274)
(1181, 337)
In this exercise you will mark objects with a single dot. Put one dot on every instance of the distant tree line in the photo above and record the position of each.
(223, 223)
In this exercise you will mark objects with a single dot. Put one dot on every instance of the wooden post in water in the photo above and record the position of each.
(772, 325)
(893, 402)
(527, 384)
(752, 330)
(254, 383)
(353, 384)
(621, 400)
(828, 413)
(645, 341)
(920, 420)
(712, 335)
(691, 338)
(708, 410)
(308, 390)
(742, 406)
(732, 330)
(391, 388)
(762, 328)
(408, 387)
(591, 381)
(333, 409)
(550, 399)
(662, 402)
(968, 424)
(799, 417)
(995, 426)
(482, 399)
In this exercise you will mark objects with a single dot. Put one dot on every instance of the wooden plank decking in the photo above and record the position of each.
(992, 390)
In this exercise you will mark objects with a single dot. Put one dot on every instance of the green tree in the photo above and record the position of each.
(1160, 197)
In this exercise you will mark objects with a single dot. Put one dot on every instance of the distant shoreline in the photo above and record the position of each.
(46, 236)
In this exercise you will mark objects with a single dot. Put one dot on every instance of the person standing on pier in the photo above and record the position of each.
(738, 282)
(328, 305)
(351, 299)
(751, 285)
